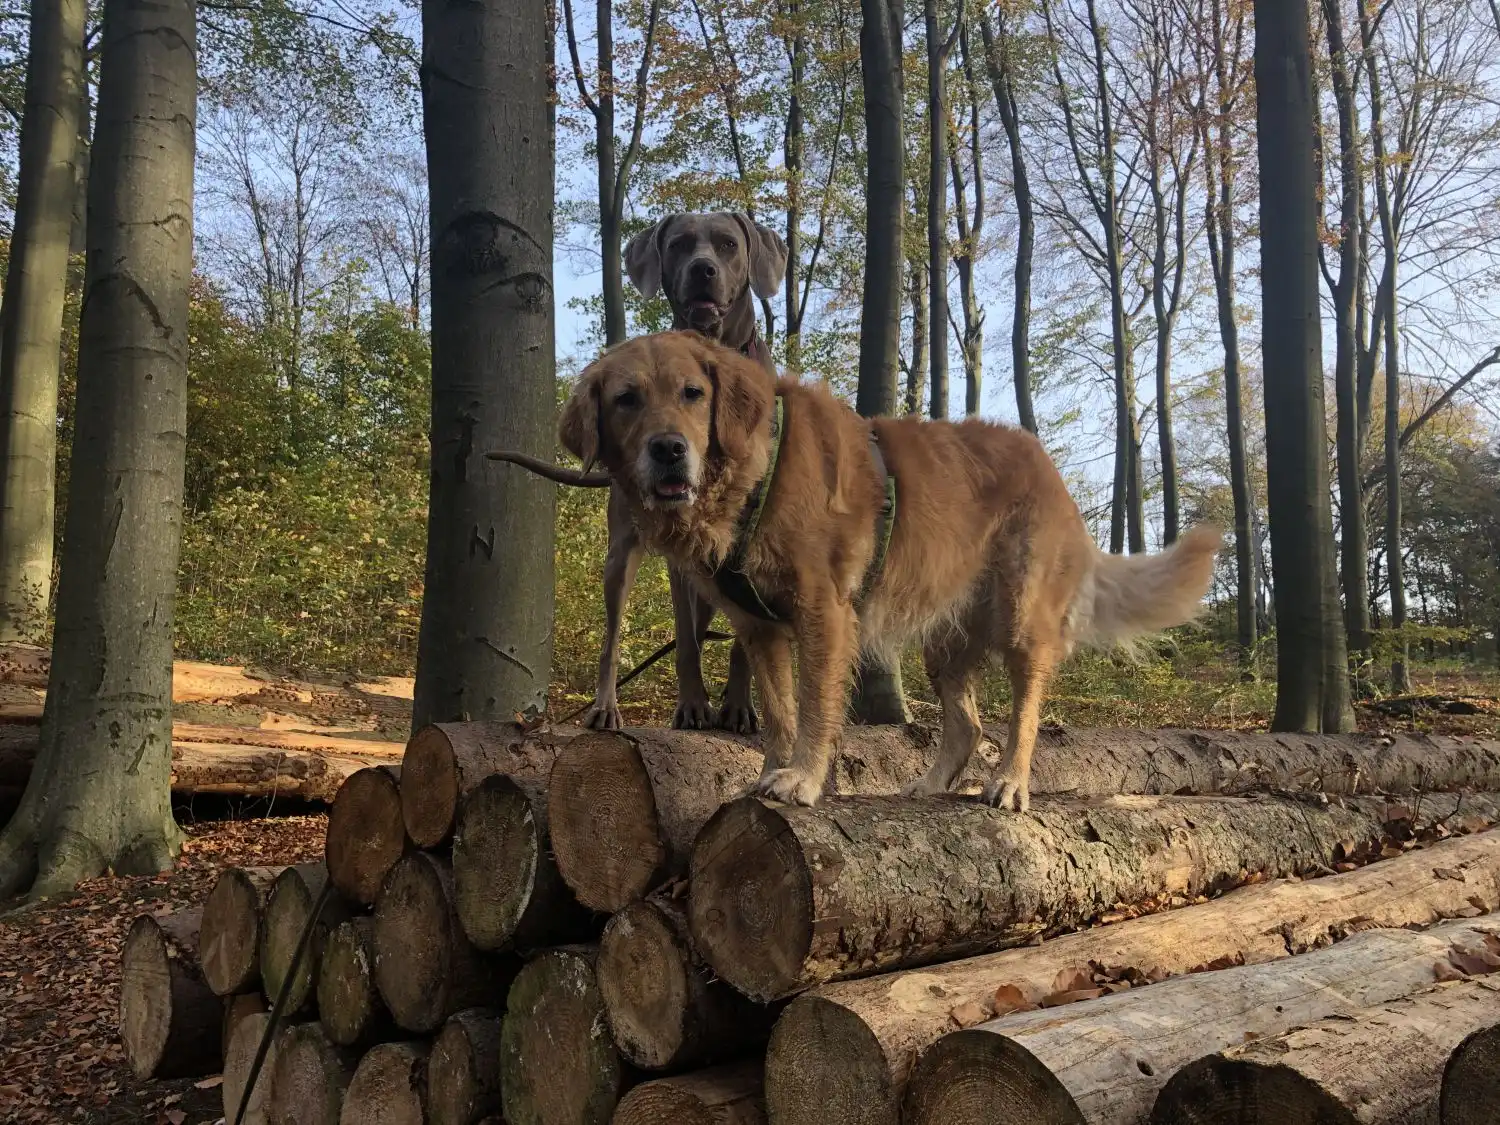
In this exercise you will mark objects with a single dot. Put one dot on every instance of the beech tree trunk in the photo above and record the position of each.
(916, 881)
(366, 835)
(349, 1005)
(488, 98)
(844, 1051)
(1107, 1059)
(916, 375)
(1379, 1065)
(463, 1070)
(99, 798)
(289, 904)
(170, 1020)
(310, 1078)
(726, 1095)
(937, 208)
(31, 317)
(387, 1086)
(665, 1008)
(230, 938)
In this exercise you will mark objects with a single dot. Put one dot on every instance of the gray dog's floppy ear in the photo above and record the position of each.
(581, 427)
(767, 253)
(643, 258)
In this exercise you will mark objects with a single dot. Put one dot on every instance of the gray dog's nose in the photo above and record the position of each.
(668, 449)
(705, 268)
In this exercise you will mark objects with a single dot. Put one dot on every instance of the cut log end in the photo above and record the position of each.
(606, 832)
(825, 1064)
(348, 1005)
(1215, 1091)
(1471, 1080)
(239, 1056)
(288, 906)
(387, 1087)
(366, 833)
(463, 1071)
(751, 903)
(726, 1095)
(972, 1077)
(443, 761)
(170, 1020)
(310, 1078)
(229, 945)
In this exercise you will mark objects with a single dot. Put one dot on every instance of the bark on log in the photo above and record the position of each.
(1471, 1080)
(557, 1064)
(463, 1071)
(782, 899)
(349, 1005)
(230, 938)
(366, 835)
(724, 1095)
(310, 1078)
(387, 1086)
(170, 1020)
(505, 882)
(1106, 1060)
(1379, 1065)
(666, 1009)
(843, 1052)
(425, 968)
(237, 1009)
(443, 761)
(290, 901)
(239, 1056)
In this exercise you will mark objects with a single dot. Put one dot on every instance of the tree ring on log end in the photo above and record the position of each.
(1471, 1080)
(347, 1003)
(496, 850)
(661, 1103)
(1220, 1091)
(366, 833)
(750, 903)
(969, 1077)
(606, 833)
(463, 1081)
(229, 940)
(387, 1086)
(429, 787)
(145, 996)
(824, 1064)
(642, 977)
(413, 943)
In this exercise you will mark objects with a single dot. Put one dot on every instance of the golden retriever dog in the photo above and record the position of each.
(987, 553)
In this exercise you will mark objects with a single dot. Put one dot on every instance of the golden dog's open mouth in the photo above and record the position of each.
(672, 489)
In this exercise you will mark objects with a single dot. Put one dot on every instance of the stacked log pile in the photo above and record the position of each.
(548, 927)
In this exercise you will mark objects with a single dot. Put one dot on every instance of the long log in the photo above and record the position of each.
(1471, 1080)
(724, 1095)
(1106, 1060)
(387, 1086)
(843, 1052)
(666, 1009)
(425, 968)
(349, 1005)
(239, 1056)
(557, 1061)
(229, 942)
(170, 1020)
(309, 1079)
(505, 882)
(786, 898)
(1379, 1065)
(366, 835)
(289, 904)
(463, 1071)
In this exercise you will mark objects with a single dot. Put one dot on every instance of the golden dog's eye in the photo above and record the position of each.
(627, 400)
(692, 394)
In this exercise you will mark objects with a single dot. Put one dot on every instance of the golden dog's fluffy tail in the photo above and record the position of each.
(1129, 597)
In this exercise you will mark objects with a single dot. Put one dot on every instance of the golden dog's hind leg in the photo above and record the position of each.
(1030, 665)
(768, 651)
(952, 667)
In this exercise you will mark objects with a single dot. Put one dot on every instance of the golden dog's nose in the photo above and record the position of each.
(668, 449)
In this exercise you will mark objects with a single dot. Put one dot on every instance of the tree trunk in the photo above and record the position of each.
(844, 1051)
(170, 1020)
(794, 151)
(1312, 684)
(506, 887)
(937, 210)
(1471, 1080)
(366, 835)
(289, 904)
(1106, 1060)
(310, 1078)
(463, 1070)
(916, 375)
(665, 1008)
(725, 1095)
(31, 318)
(555, 1065)
(756, 904)
(610, 209)
(1383, 1064)
(78, 230)
(387, 1087)
(230, 946)
(969, 233)
(425, 968)
(99, 798)
(488, 94)
(349, 1005)
(239, 1056)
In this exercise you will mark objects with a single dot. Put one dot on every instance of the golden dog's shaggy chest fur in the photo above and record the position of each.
(988, 554)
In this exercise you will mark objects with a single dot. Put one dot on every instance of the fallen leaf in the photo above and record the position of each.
(1010, 998)
(1476, 962)
(209, 1083)
(1057, 999)
(968, 1014)
(1449, 873)
(1073, 979)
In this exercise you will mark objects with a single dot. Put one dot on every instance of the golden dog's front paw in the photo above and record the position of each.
(928, 785)
(1008, 792)
(789, 786)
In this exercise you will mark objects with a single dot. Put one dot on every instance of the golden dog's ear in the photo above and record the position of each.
(743, 396)
(581, 428)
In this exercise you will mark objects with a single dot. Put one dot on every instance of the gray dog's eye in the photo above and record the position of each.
(692, 394)
(628, 400)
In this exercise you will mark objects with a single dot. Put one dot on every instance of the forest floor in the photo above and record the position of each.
(60, 1057)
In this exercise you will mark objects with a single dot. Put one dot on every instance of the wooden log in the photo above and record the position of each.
(1106, 1060)
(237, 1009)
(230, 937)
(786, 898)
(366, 834)
(425, 968)
(505, 882)
(1471, 1080)
(444, 761)
(387, 1086)
(724, 1095)
(349, 1004)
(310, 1078)
(843, 1052)
(170, 1020)
(666, 1009)
(290, 902)
(557, 1063)
(463, 1071)
(1379, 1065)
(239, 1056)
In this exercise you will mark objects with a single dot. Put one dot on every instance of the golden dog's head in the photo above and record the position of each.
(666, 413)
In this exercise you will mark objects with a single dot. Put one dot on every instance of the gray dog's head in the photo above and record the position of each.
(706, 263)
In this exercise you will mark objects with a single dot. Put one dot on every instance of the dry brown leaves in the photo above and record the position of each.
(60, 1056)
